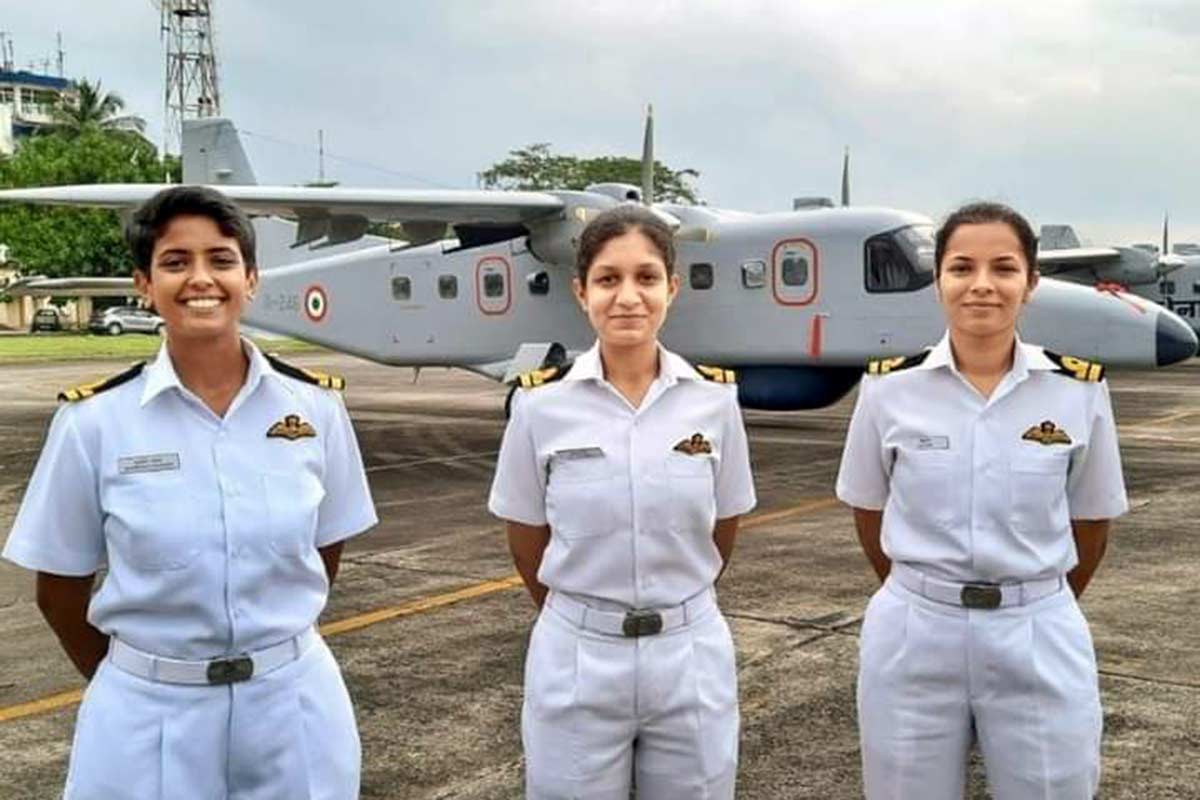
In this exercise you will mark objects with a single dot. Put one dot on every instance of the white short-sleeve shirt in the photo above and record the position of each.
(208, 526)
(631, 495)
(983, 489)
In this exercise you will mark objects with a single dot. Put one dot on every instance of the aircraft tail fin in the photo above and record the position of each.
(1058, 237)
(213, 154)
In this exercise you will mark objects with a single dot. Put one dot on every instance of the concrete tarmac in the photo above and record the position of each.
(430, 630)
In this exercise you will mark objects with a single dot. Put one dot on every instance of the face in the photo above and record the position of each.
(198, 281)
(984, 279)
(627, 292)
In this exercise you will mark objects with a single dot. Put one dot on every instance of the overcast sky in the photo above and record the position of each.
(1081, 112)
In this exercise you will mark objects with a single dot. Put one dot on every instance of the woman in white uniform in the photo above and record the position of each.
(621, 479)
(983, 474)
(217, 486)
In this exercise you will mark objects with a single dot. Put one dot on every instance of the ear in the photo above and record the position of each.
(141, 282)
(1034, 277)
(251, 281)
(580, 292)
(673, 284)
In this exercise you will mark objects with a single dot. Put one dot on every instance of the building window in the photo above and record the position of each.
(493, 285)
(539, 283)
(401, 288)
(6, 95)
(754, 274)
(701, 276)
(447, 287)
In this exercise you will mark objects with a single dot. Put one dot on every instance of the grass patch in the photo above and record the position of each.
(127, 347)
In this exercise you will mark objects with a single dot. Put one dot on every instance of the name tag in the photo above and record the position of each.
(579, 453)
(933, 442)
(152, 462)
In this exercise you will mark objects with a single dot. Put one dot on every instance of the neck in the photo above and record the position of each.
(211, 368)
(983, 355)
(630, 364)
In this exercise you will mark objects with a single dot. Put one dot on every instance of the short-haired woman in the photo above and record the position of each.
(983, 474)
(621, 480)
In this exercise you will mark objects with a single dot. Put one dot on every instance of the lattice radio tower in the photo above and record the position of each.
(191, 66)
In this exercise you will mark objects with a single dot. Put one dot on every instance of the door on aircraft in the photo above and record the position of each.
(493, 285)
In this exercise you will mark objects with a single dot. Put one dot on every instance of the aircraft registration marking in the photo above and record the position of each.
(281, 301)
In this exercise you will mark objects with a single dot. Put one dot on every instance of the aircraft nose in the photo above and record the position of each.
(1174, 340)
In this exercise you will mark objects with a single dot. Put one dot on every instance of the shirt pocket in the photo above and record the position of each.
(580, 493)
(153, 522)
(924, 488)
(1038, 492)
(692, 492)
(293, 501)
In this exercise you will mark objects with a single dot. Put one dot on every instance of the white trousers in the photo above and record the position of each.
(1022, 679)
(286, 735)
(602, 709)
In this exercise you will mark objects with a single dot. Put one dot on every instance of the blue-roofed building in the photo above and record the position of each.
(29, 100)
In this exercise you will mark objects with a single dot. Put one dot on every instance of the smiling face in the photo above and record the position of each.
(198, 281)
(984, 280)
(627, 291)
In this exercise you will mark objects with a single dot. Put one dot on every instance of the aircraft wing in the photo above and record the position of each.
(39, 286)
(1055, 262)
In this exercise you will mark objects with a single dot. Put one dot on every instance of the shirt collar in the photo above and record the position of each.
(671, 367)
(1026, 357)
(161, 374)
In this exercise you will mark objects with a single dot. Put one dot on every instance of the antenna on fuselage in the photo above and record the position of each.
(846, 177)
(648, 158)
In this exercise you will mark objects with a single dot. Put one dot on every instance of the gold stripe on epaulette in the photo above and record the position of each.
(882, 366)
(717, 374)
(1081, 369)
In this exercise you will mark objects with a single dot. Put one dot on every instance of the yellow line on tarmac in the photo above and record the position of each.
(67, 699)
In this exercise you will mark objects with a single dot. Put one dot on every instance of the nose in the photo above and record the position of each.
(627, 294)
(1174, 339)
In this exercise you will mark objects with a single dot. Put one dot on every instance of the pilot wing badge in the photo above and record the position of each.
(1047, 433)
(291, 427)
(694, 445)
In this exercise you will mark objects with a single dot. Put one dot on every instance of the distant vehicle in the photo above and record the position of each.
(121, 319)
(46, 319)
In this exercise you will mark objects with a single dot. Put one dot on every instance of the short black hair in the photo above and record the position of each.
(616, 222)
(152, 217)
(982, 213)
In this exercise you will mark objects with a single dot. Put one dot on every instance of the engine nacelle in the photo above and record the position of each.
(775, 388)
(554, 241)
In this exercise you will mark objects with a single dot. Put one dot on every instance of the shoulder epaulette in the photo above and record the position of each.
(306, 375)
(1077, 368)
(884, 366)
(86, 390)
(540, 377)
(716, 374)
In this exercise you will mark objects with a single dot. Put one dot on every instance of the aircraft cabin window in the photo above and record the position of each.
(493, 285)
(700, 276)
(899, 260)
(401, 288)
(1168, 287)
(795, 270)
(447, 287)
(1196, 288)
(754, 274)
(539, 283)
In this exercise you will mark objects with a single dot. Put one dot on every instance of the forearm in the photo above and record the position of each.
(527, 543)
(63, 601)
(869, 524)
(1091, 541)
(724, 536)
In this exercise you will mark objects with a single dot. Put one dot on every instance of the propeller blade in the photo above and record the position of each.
(846, 177)
(648, 158)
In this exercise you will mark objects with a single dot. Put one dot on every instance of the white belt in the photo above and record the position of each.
(974, 595)
(216, 671)
(635, 622)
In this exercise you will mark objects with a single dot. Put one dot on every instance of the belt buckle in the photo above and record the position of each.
(977, 596)
(230, 670)
(642, 623)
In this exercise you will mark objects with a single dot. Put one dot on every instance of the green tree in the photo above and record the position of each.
(64, 242)
(95, 109)
(535, 167)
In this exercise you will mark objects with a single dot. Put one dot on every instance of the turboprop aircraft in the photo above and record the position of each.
(796, 302)
(1167, 276)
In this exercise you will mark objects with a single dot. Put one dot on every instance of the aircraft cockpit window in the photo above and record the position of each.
(539, 283)
(900, 260)
(493, 285)
(700, 276)
(754, 274)
(447, 287)
(401, 288)
(794, 269)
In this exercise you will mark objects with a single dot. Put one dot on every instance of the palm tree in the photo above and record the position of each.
(95, 109)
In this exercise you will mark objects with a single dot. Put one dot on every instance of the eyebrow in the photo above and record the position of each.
(185, 251)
